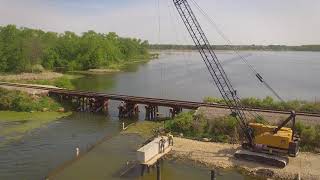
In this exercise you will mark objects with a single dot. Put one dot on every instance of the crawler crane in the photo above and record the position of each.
(265, 144)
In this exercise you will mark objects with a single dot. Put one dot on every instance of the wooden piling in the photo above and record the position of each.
(147, 113)
(158, 170)
(106, 105)
(82, 104)
(142, 169)
(213, 175)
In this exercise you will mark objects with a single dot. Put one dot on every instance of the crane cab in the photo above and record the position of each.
(283, 141)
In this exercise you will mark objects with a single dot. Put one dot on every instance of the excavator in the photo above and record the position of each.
(271, 145)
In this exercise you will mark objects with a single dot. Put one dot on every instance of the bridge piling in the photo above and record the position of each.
(151, 112)
(175, 111)
(128, 109)
(147, 112)
(106, 105)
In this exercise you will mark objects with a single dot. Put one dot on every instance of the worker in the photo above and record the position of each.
(170, 138)
(161, 144)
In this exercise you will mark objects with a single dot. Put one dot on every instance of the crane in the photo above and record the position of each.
(267, 144)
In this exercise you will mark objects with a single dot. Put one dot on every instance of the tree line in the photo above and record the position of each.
(26, 50)
(239, 47)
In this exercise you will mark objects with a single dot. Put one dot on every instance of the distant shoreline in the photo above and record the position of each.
(313, 48)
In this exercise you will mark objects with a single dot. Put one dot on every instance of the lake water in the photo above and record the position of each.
(175, 75)
(183, 75)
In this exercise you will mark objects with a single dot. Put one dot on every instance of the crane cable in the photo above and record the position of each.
(254, 114)
(256, 73)
(158, 22)
(186, 58)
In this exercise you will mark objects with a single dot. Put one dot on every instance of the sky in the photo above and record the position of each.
(286, 22)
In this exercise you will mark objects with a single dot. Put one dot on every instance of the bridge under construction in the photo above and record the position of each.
(89, 101)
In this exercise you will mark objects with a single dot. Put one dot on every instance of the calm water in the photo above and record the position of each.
(176, 75)
(183, 75)
(99, 164)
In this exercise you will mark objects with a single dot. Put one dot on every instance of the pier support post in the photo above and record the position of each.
(82, 104)
(147, 112)
(175, 111)
(213, 175)
(106, 105)
(121, 110)
(142, 169)
(158, 170)
(128, 109)
(151, 112)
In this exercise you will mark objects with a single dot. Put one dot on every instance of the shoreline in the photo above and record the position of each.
(220, 155)
(117, 68)
(15, 125)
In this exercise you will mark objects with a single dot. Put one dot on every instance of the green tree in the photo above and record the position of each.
(22, 49)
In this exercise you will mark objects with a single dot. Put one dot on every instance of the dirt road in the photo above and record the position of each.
(272, 118)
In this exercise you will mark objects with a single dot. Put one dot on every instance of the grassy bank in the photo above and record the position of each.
(65, 81)
(16, 124)
(23, 102)
(62, 82)
(113, 68)
(21, 113)
(270, 103)
(145, 128)
(226, 130)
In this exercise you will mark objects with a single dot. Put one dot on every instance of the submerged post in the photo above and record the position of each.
(213, 175)
(142, 169)
(158, 170)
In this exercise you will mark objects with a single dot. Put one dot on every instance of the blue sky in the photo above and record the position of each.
(291, 22)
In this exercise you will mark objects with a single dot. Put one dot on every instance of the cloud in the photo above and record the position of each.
(244, 21)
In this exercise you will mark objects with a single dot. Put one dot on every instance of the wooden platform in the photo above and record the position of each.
(150, 153)
(157, 157)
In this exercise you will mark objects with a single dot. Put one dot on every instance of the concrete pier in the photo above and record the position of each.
(152, 152)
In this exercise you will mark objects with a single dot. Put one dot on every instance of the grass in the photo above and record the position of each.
(23, 102)
(310, 136)
(222, 129)
(16, 124)
(112, 68)
(21, 113)
(226, 130)
(64, 81)
(144, 128)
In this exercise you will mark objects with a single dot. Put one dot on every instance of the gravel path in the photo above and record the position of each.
(31, 76)
(38, 92)
(273, 118)
(217, 155)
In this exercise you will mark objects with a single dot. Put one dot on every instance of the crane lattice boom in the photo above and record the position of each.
(214, 66)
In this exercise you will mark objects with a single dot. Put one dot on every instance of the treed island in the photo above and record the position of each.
(38, 57)
(47, 58)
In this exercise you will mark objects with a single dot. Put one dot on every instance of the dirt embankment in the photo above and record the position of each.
(31, 91)
(217, 155)
(31, 76)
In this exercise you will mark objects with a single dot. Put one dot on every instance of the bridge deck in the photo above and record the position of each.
(144, 100)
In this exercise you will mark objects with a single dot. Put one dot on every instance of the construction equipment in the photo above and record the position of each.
(265, 144)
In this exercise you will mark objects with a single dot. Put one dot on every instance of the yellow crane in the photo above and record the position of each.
(266, 144)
